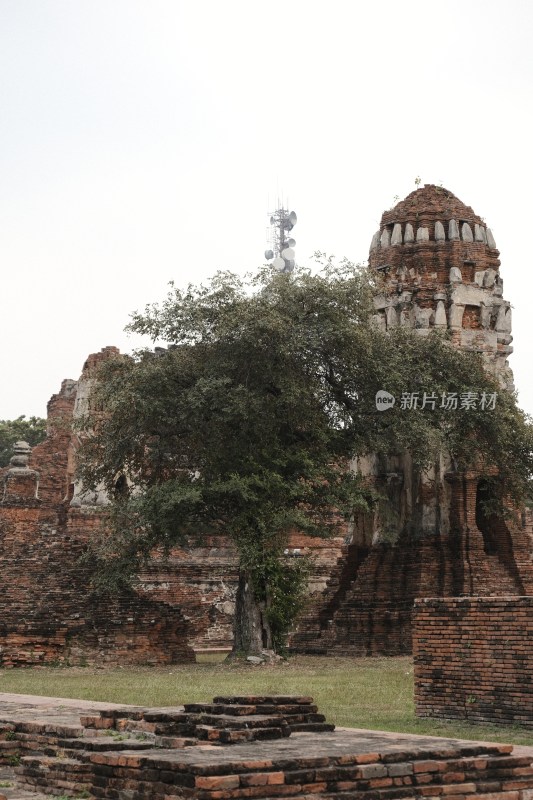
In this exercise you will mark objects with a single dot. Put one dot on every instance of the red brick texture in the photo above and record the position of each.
(366, 608)
(56, 755)
(473, 658)
(48, 613)
(431, 260)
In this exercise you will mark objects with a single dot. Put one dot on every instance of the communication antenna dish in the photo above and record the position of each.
(280, 251)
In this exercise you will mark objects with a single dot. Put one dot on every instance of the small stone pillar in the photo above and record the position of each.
(21, 483)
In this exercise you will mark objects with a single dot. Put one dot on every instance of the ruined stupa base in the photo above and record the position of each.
(102, 750)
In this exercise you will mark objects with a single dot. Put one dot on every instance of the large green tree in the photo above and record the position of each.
(32, 430)
(247, 422)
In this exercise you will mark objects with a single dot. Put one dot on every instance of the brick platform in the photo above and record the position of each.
(123, 759)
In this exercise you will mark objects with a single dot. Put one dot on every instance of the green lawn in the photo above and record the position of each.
(361, 693)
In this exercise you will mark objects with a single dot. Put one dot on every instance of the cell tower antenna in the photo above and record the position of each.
(281, 250)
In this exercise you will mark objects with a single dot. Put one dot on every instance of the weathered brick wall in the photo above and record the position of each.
(50, 457)
(48, 612)
(202, 577)
(366, 607)
(361, 593)
(473, 658)
(202, 580)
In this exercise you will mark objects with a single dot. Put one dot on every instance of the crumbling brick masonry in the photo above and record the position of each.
(473, 658)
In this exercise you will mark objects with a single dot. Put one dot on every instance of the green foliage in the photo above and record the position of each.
(280, 584)
(32, 430)
(247, 423)
(79, 796)
(238, 428)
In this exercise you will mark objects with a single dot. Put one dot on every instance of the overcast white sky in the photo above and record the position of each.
(143, 141)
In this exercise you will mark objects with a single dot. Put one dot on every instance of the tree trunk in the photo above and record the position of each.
(251, 627)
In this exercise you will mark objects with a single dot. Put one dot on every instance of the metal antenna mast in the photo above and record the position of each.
(281, 249)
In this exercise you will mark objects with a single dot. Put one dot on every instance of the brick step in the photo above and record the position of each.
(58, 767)
(174, 728)
(376, 783)
(220, 708)
(258, 735)
(237, 709)
(175, 742)
(54, 730)
(159, 713)
(220, 722)
(228, 719)
(8, 747)
(31, 764)
(237, 723)
(484, 772)
(54, 775)
(106, 718)
(258, 699)
(137, 726)
(234, 735)
(303, 718)
(315, 727)
(104, 744)
(77, 738)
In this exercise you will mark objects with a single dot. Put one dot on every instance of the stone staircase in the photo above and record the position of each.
(226, 720)
(314, 625)
(57, 759)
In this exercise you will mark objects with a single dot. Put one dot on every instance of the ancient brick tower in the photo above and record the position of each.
(436, 266)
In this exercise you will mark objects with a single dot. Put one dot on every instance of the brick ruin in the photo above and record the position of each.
(239, 747)
(473, 659)
(48, 613)
(437, 267)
